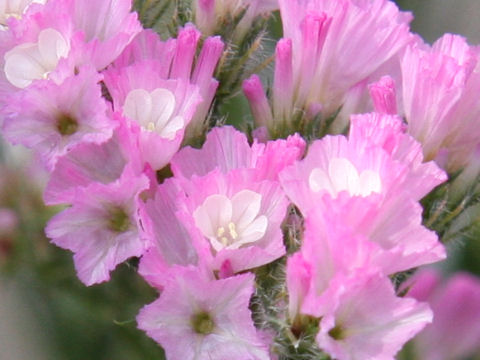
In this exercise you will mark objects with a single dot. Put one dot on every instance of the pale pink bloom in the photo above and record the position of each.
(197, 317)
(89, 163)
(455, 330)
(378, 158)
(36, 44)
(176, 59)
(334, 165)
(227, 149)
(328, 52)
(350, 231)
(389, 133)
(160, 108)
(439, 87)
(53, 118)
(364, 319)
(236, 217)
(101, 227)
(360, 185)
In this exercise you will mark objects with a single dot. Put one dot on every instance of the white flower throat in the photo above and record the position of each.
(153, 111)
(342, 175)
(230, 223)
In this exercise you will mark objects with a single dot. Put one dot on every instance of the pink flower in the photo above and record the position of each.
(334, 165)
(197, 317)
(53, 118)
(169, 240)
(377, 158)
(438, 87)
(108, 27)
(359, 185)
(455, 330)
(389, 133)
(315, 72)
(175, 59)
(236, 218)
(101, 227)
(365, 320)
(160, 109)
(227, 149)
(37, 46)
(89, 163)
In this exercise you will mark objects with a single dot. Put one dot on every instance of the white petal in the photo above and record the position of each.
(255, 231)
(216, 211)
(52, 46)
(163, 105)
(246, 205)
(319, 180)
(369, 182)
(343, 175)
(169, 131)
(138, 106)
(22, 65)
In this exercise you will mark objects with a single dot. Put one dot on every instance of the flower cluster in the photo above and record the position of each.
(262, 245)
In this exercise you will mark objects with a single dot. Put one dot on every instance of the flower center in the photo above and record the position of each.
(118, 220)
(202, 323)
(230, 223)
(227, 237)
(66, 125)
(153, 111)
(342, 175)
(337, 333)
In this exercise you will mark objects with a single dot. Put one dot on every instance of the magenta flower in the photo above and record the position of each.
(197, 317)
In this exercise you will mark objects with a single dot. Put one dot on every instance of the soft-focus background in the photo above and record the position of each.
(46, 313)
